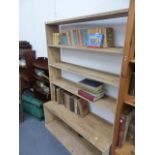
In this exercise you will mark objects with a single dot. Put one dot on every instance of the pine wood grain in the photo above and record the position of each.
(92, 128)
(99, 16)
(88, 73)
(112, 50)
(75, 144)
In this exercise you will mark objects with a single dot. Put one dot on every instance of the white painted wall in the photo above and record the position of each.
(32, 17)
(34, 13)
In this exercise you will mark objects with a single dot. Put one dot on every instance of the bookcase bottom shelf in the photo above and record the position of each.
(74, 143)
(92, 128)
(127, 149)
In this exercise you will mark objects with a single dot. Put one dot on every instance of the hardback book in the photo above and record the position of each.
(125, 119)
(75, 105)
(107, 32)
(108, 40)
(64, 99)
(91, 85)
(131, 132)
(89, 96)
(71, 103)
(83, 107)
(67, 98)
(55, 38)
(95, 40)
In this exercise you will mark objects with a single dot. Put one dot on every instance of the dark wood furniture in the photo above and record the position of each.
(41, 64)
(26, 72)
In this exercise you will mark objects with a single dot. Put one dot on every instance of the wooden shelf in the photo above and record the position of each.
(88, 73)
(92, 128)
(40, 78)
(41, 63)
(99, 16)
(75, 144)
(130, 100)
(114, 50)
(132, 61)
(107, 104)
(127, 149)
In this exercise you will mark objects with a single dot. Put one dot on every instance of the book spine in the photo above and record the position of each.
(71, 102)
(121, 130)
(75, 105)
(86, 95)
(72, 38)
(79, 38)
(68, 39)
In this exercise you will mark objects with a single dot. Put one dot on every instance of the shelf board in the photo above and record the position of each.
(132, 61)
(40, 64)
(107, 103)
(127, 149)
(97, 131)
(98, 16)
(75, 144)
(130, 100)
(113, 50)
(40, 78)
(88, 73)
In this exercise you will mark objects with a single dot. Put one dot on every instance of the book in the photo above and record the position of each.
(83, 107)
(56, 38)
(108, 40)
(58, 95)
(125, 119)
(131, 132)
(132, 85)
(71, 103)
(90, 85)
(89, 96)
(95, 40)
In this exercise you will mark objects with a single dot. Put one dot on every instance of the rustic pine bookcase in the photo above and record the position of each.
(90, 135)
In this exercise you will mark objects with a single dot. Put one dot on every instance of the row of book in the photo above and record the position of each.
(97, 37)
(90, 89)
(70, 101)
(127, 127)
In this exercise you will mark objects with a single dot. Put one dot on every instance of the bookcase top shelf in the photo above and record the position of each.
(107, 103)
(92, 128)
(112, 50)
(88, 73)
(99, 16)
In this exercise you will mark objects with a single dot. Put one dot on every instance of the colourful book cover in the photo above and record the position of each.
(95, 40)
(84, 36)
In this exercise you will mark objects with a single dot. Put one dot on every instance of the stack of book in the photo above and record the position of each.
(97, 37)
(90, 89)
(125, 122)
(70, 101)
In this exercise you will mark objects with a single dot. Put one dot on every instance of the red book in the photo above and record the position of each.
(86, 95)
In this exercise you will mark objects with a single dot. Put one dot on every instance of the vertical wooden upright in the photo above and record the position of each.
(124, 99)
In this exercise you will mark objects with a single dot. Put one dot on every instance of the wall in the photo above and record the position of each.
(33, 15)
